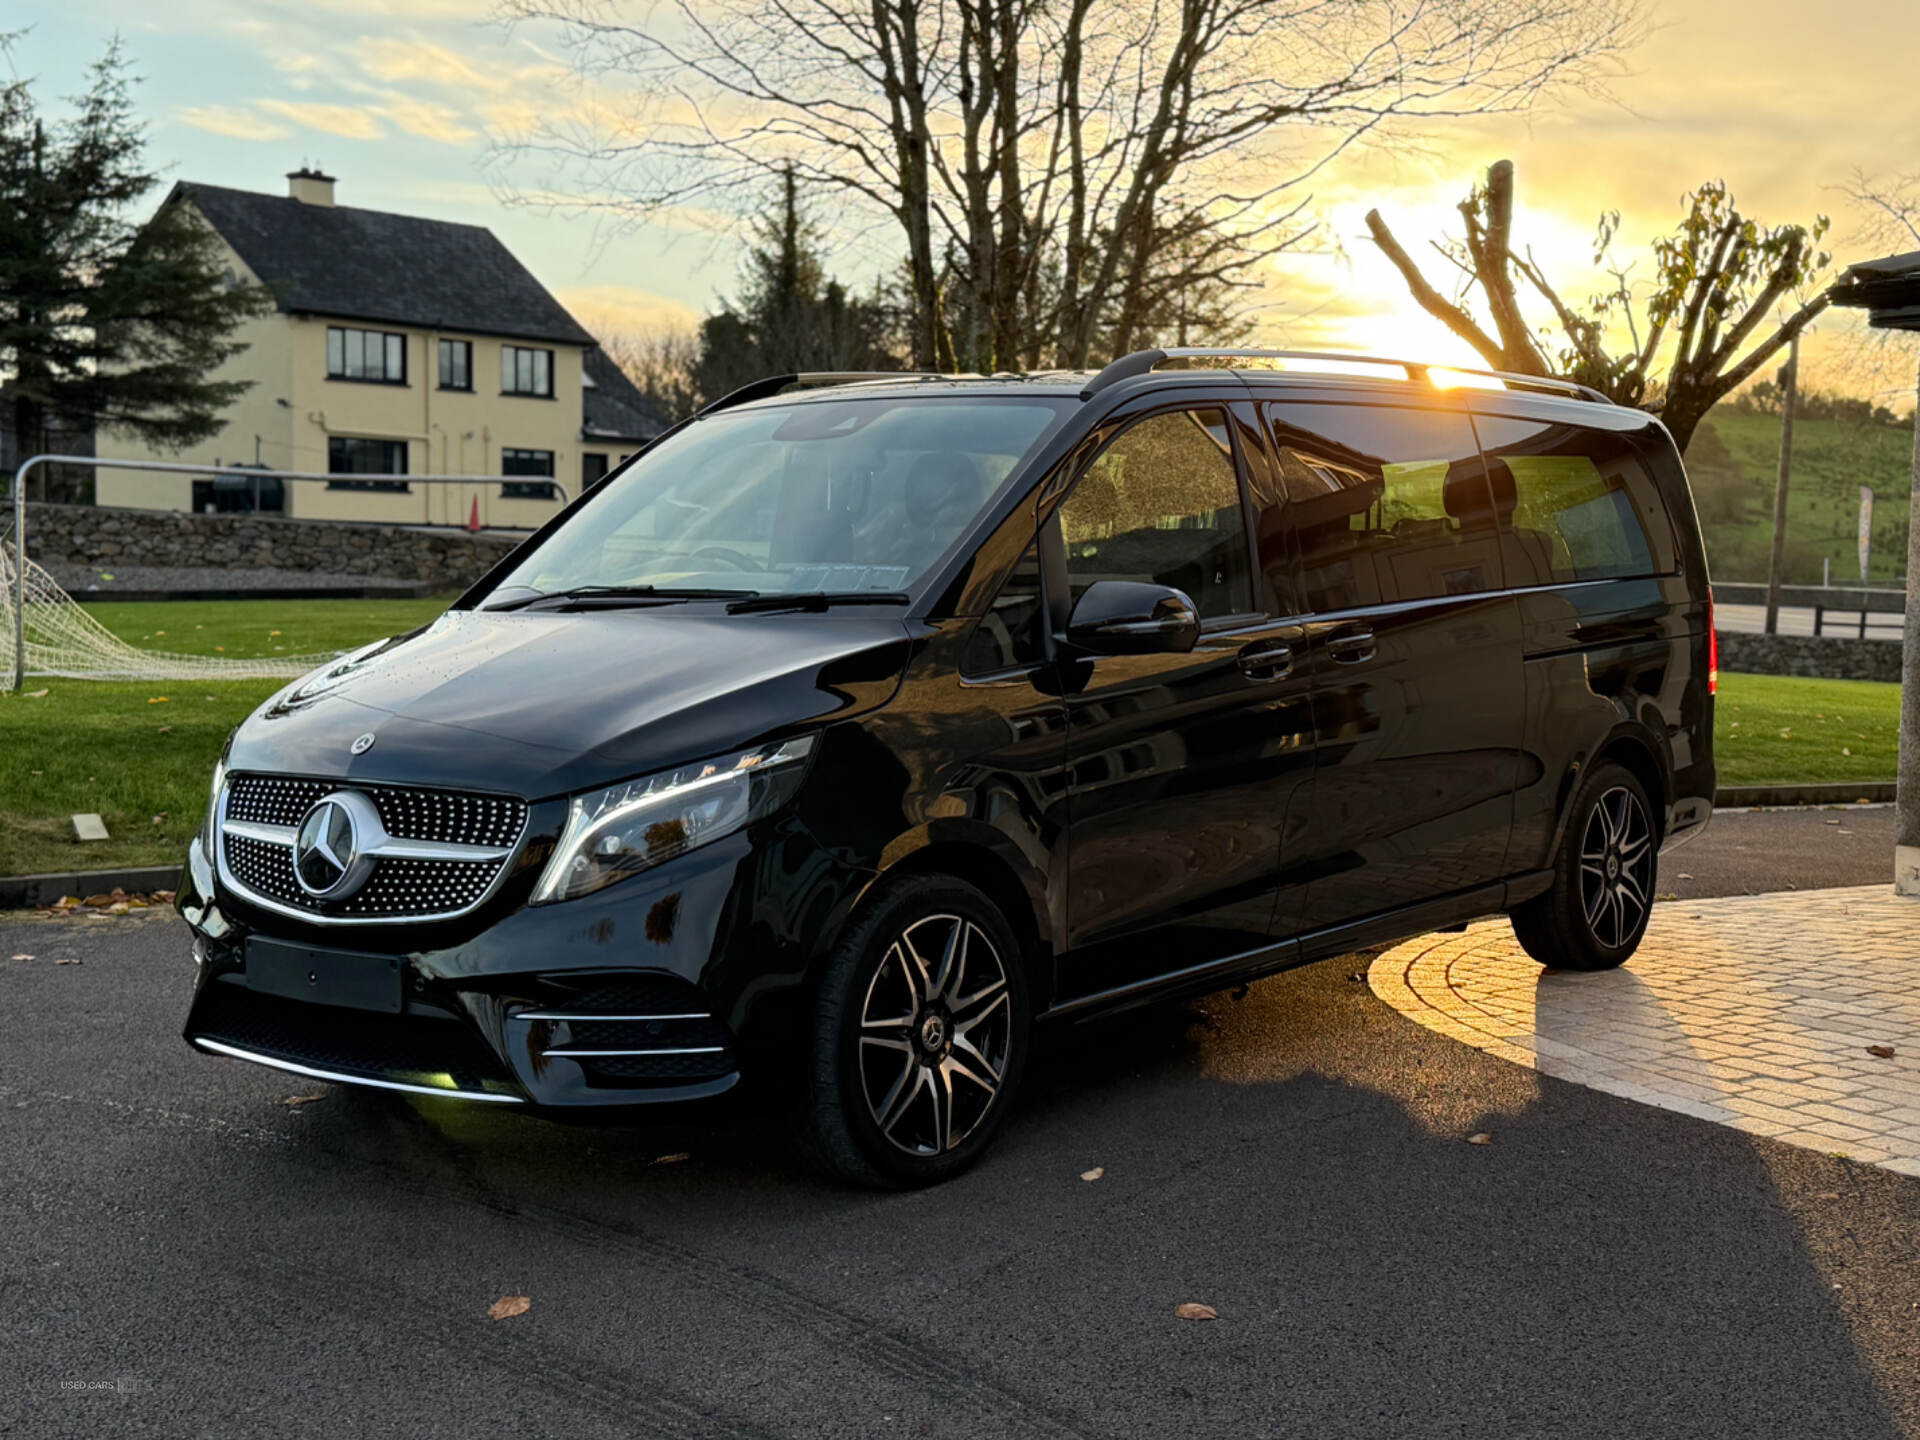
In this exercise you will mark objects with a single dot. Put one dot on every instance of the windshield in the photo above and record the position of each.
(848, 496)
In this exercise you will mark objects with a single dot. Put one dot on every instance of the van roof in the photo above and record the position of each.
(1321, 367)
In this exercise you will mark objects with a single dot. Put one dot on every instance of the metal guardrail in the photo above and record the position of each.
(1878, 599)
(168, 467)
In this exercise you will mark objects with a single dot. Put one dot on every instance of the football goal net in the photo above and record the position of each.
(62, 639)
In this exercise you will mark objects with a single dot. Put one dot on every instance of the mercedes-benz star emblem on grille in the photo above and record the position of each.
(363, 744)
(329, 858)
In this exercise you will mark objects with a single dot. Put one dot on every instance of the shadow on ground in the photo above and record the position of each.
(1295, 1159)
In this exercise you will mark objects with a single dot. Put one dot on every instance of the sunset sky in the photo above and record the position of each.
(398, 98)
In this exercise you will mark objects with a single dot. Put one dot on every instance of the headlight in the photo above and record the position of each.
(624, 829)
(213, 804)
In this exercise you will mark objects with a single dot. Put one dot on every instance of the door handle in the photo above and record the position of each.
(1351, 648)
(1267, 660)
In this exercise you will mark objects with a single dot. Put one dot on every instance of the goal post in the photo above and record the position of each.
(14, 597)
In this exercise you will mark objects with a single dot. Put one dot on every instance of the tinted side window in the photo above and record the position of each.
(1388, 504)
(1162, 503)
(1009, 634)
(1576, 504)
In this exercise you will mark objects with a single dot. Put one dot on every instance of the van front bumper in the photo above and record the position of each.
(635, 996)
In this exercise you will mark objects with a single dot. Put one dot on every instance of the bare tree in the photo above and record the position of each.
(1064, 166)
(661, 363)
(1709, 317)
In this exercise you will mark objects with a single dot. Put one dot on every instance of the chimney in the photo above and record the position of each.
(310, 187)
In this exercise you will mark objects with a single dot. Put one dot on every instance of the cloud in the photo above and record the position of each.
(236, 121)
(428, 120)
(615, 309)
(350, 122)
(397, 61)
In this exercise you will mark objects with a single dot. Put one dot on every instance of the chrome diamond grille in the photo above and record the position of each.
(399, 888)
(441, 815)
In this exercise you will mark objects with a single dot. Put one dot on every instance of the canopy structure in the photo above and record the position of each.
(1888, 289)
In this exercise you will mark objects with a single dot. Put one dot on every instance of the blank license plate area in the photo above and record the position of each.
(325, 977)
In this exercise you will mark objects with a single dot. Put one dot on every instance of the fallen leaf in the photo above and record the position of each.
(1845, 750)
(1685, 876)
(1193, 1310)
(273, 632)
(164, 730)
(1480, 1138)
(66, 902)
(220, 647)
(508, 1306)
(118, 893)
(1884, 1052)
(23, 957)
(119, 907)
(1093, 1174)
(157, 700)
(66, 959)
(33, 694)
(295, 1101)
(164, 897)
(97, 901)
(674, 1159)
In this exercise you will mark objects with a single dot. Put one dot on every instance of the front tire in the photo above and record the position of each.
(920, 1036)
(1602, 895)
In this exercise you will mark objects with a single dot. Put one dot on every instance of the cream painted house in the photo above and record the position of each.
(400, 347)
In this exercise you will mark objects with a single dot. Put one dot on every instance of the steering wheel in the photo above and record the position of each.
(721, 552)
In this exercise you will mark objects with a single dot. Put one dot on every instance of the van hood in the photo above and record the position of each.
(538, 704)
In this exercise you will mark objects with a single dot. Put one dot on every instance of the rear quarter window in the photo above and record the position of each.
(1576, 504)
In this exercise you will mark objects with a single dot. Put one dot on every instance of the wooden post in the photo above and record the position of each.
(1788, 388)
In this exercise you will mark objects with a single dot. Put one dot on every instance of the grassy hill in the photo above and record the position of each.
(1732, 464)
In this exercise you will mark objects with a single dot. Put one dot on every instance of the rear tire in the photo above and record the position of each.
(1602, 895)
(920, 1036)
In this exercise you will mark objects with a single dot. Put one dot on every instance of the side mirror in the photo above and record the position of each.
(1126, 617)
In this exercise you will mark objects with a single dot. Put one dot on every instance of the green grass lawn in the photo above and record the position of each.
(247, 629)
(140, 752)
(1732, 464)
(1782, 730)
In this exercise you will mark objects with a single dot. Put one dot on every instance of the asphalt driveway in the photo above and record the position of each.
(189, 1255)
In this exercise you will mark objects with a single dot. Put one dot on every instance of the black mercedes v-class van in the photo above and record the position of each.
(861, 724)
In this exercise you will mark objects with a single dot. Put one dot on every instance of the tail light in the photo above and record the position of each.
(1713, 650)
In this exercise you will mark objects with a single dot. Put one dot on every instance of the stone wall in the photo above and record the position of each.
(1828, 657)
(91, 536)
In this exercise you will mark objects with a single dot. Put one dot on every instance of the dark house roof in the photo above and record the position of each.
(1888, 289)
(368, 265)
(615, 408)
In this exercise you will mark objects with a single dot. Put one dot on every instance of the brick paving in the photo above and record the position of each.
(1754, 1011)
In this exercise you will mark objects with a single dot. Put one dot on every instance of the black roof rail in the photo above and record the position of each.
(1142, 362)
(773, 384)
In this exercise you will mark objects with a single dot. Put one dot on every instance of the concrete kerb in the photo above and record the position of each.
(29, 892)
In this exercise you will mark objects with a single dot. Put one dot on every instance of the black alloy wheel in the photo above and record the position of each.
(1603, 886)
(920, 1035)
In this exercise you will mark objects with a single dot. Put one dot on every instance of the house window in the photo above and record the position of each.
(526, 462)
(377, 356)
(234, 494)
(351, 455)
(456, 365)
(593, 468)
(524, 371)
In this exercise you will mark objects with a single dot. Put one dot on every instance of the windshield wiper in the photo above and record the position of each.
(817, 600)
(597, 595)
